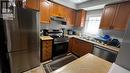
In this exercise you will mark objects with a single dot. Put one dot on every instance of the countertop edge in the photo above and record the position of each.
(111, 48)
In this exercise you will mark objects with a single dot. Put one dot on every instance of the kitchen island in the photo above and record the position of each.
(86, 64)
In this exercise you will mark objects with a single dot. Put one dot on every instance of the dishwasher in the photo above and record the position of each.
(105, 53)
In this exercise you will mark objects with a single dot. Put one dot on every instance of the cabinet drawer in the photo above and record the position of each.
(47, 42)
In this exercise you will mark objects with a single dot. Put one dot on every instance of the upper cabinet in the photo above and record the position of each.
(121, 17)
(70, 16)
(48, 9)
(80, 18)
(54, 10)
(33, 4)
(115, 16)
(108, 16)
(45, 7)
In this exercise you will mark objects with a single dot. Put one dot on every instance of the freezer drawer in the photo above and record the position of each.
(24, 60)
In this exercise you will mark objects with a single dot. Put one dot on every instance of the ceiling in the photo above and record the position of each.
(78, 1)
(85, 4)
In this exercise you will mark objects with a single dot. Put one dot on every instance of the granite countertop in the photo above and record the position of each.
(86, 64)
(111, 48)
(46, 38)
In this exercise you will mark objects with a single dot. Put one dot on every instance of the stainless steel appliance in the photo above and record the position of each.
(60, 46)
(123, 58)
(60, 43)
(71, 32)
(59, 19)
(105, 53)
(20, 44)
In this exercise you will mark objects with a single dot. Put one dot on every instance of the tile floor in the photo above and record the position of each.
(39, 69)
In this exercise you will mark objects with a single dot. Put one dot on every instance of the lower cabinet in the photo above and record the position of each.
(46, 50)
(80, 47)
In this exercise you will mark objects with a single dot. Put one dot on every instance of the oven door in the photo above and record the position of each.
(60, 48)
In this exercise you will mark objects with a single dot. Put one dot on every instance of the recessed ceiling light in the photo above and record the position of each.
(78, 1)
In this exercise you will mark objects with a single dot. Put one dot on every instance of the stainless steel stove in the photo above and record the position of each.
(60, 42)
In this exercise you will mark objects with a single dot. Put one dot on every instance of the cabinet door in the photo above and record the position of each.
(46, 50)
(121, 17)
(81, 48)
(69, 15)
(84, 48)
(55, 11)
(45, 11)
(72, 17)
(33, 4)
(108, 16)
(61, 10)
(75, 47)
(80, 18)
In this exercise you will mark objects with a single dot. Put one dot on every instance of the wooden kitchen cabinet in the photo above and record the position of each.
(70, 16)
(48, 9)
(46, 50)
(80, 18)
(80, 47)
(108, 16)
(33, 4)
(61, 10)
(54, 9)
(115, 16)
(121, 17)
(65, 12)
(45, 11)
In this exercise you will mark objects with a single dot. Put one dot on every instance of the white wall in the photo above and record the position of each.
(94, 13)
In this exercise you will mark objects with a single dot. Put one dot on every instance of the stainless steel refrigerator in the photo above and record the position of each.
(20, 45)
(123, 58)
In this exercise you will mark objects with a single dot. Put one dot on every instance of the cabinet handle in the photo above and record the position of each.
(111, 27)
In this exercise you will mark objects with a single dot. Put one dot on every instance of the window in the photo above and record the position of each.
(92, 25)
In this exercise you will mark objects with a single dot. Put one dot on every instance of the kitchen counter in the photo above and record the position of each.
(111, 48)
(46, 38)
(86, 64)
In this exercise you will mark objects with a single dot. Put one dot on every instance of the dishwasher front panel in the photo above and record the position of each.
(104, 53)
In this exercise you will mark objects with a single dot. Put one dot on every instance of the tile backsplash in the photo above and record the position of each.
(113, 33)
(56, 25)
